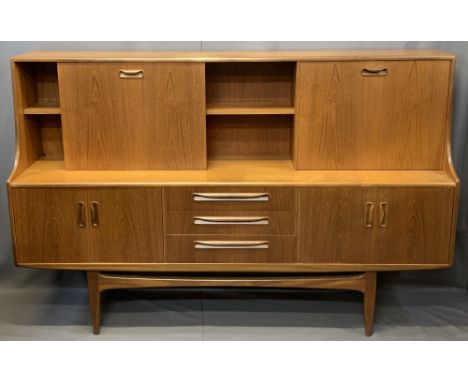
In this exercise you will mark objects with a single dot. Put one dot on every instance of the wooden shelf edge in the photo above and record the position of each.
(42, 109)
(250, 110)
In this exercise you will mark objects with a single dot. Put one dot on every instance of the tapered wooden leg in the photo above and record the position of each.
(94, 300)
(369, 301)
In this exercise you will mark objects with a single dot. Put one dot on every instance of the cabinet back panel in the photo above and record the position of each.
(246, 136)
(347, 120)
(269, 83)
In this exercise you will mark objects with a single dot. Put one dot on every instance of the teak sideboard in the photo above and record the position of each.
(311, 169)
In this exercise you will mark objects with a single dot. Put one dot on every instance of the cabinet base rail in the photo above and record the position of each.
(362, 282)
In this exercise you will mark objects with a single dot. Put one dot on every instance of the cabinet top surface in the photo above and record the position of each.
(230, 56)
(225, 172)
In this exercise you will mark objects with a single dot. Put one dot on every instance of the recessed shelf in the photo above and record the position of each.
(247, 108)
(43, 108)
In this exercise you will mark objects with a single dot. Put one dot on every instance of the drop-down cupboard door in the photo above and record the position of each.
(133, 116)
(372, 114)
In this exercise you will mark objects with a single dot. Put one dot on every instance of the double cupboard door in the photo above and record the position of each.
(375, 225)
(88, 225)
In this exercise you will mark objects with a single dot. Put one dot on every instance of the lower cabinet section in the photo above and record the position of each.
(87, 225)
(230, 249)
(331, 225)
(375, 225)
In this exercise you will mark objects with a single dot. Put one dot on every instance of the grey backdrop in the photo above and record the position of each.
(11, 277)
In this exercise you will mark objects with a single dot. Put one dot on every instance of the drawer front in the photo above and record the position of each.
(231, 222)
(230, 249)
(230, 198)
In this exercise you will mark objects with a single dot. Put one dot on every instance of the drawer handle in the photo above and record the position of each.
(81, 215)
(380, 72)
(217, 244)
(137, 73)
(231, 197)
(383, 209)
(254, 220)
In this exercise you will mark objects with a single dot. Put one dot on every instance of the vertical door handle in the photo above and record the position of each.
(369, 215)
(94, 214)
(81, 217)
(383, 212)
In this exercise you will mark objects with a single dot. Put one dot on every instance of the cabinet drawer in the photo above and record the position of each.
(231, 222)
(230, 198)
(230, 249)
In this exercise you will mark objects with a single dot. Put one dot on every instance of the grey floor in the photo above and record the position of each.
(58, 310)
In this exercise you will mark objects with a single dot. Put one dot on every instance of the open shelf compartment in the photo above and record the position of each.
(39, 87)
(250, 88)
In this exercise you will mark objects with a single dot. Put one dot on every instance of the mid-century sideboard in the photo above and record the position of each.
(311, 169)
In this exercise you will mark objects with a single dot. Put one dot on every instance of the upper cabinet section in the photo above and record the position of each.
(133, 116)
(372, 114)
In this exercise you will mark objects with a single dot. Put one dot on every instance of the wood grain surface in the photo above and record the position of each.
(345, 120)
(113, 123)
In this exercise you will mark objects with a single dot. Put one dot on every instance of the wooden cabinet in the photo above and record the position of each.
(80, 225)
(369, 225)
(371, 114)
(141, 116)
(233, 169)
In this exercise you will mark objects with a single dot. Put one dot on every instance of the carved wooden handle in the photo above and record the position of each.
(369, 215)
(383, 212)
(374, 72)
(135, 73)
(94, 214)
(81, 221)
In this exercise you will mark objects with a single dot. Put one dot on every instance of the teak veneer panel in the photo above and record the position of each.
(346, 121)
(249, 136)
(180, 249)
(130, 225)
(278, 222)
(416, 230)
(227, 172)
(113, 123)
(46, 229)
(182, 199)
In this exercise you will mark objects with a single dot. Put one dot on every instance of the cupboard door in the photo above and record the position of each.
(128, 116)
(336, 225)
(126, 225)
(51, 225)
(371, 114)
(414, 225)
